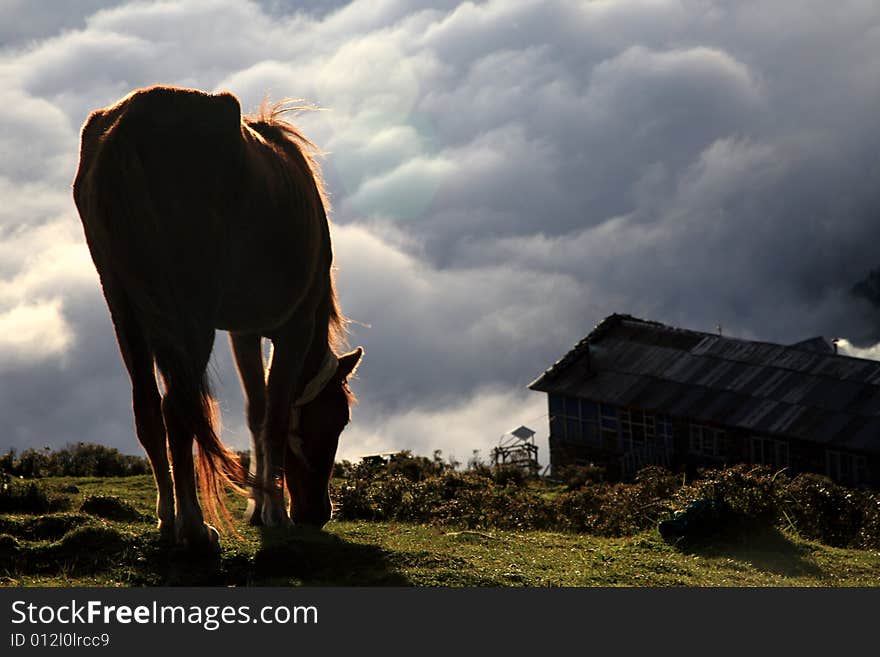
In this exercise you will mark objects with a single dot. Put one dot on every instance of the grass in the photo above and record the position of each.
(103, 534)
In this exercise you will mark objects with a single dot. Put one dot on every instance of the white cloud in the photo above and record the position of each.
(847, 348)
(33, 332)
(474, 422)
(45, 261)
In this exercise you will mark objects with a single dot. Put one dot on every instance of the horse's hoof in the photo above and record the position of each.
(213, 539)
(274, 517)
(206, 541)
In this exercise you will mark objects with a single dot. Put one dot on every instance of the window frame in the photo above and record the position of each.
(773, 446)
(701, 436)
(855, 472)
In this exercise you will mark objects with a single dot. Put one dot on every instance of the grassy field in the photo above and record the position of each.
(113, 542)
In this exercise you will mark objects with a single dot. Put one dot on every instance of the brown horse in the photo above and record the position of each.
(200, 219)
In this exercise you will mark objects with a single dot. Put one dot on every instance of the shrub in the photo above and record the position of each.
(578, 476)
(754, 498)
(18, 497)
(755, 493)
(414, 468)
(824, 511)
(507, 475)
(80, 460)
(343, 469)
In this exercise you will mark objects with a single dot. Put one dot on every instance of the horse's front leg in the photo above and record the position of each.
(285, 372)
(247, 352)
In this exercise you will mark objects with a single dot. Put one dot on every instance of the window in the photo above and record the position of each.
(767, 451)
(707, 441)
(633, 427)
(574, 420)
(608, 415)
(607, 426)
(846, 468)
(609, 436)
(590, 422)
(664, 430)
(640, 429)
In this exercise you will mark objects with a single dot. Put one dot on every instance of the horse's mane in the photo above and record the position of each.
(268, 122)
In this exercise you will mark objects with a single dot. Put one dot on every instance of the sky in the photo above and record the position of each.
(503, 175)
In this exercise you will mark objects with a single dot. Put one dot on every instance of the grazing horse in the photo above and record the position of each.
(200, 219)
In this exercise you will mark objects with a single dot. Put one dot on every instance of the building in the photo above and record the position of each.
(636, 392)
(517, 448)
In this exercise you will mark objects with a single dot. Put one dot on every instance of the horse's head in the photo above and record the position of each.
(314, 436)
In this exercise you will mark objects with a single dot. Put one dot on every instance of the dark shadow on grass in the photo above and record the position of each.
(84, 550)
(111, 507)
(81, 546)
(286, 557)
(767, 550)
(313, 557)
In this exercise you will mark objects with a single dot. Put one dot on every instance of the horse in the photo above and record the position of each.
(198, 219)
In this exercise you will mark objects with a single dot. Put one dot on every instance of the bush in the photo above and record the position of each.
(824, 511)
(414, 468)
(613, 509)
(27, 497)
(343, 469)
(416, 489)
(80, 460)
(23, 498)
(577, 476)
(756, 493)
(508, 475)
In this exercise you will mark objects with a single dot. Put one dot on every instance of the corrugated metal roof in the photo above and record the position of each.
(798, 391)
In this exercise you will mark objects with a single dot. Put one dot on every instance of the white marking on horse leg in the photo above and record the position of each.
(165, 505)
(254, 509)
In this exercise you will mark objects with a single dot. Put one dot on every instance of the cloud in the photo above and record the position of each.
(24, 23)
(847, 348)
(32, 332)
(474, 423)
(503, 175)
(445, 332)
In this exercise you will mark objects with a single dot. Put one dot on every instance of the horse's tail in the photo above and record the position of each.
(193, 406)
(131, 231)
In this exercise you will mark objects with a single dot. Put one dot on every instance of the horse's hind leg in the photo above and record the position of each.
(182, 413)
(249, 361)
(147, 409)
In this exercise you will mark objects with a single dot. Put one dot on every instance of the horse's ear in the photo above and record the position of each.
(348, 363)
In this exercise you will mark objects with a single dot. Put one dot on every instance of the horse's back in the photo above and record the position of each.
(187, 207)
(157, 170)
(170, 129)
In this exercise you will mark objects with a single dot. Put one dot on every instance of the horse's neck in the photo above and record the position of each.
(315, 358)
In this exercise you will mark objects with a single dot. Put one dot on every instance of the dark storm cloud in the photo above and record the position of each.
(503, 174)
